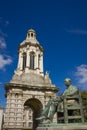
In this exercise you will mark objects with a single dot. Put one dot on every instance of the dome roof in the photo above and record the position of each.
(32, 41)
(31, 79)
(31, 30)
(31, 37)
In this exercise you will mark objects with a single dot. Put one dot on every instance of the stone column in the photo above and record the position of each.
(20, 61)
(41, 63)
(6, 117)
(28, 60)
(19, 55)
(35, 62)
(19, 111)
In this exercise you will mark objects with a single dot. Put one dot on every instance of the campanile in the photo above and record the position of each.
(29, 89)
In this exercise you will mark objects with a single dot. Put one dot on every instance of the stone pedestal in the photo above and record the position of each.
(63, 127)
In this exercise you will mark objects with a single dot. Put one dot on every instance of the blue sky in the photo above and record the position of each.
(61, 28)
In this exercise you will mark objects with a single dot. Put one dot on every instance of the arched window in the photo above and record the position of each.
(32, 58)
(31, 34)
(24, 60)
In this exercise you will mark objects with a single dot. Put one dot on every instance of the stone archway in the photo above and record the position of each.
(35, 106)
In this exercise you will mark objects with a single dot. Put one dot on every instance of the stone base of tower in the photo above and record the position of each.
(64, 127)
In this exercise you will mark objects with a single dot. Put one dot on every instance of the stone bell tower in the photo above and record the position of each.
(30, 55)
(29, 90)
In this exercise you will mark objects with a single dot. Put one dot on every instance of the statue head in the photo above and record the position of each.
(67, 82)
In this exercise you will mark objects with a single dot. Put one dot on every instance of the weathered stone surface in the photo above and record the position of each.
(31, 79)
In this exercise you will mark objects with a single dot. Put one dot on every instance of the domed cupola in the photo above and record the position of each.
(31, 34)
(30, 38)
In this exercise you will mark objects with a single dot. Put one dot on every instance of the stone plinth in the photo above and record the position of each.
(77, 126)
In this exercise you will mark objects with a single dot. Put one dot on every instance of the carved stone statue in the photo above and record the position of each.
(56, 103)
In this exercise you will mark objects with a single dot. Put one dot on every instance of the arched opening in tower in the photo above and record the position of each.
(32, 60)
(32, 110)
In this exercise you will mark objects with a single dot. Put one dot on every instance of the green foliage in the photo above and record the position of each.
(84, 102)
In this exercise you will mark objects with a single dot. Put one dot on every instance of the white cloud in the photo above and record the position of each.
(5, 60)
(2, 39)
(2, 43)
(81, 75)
